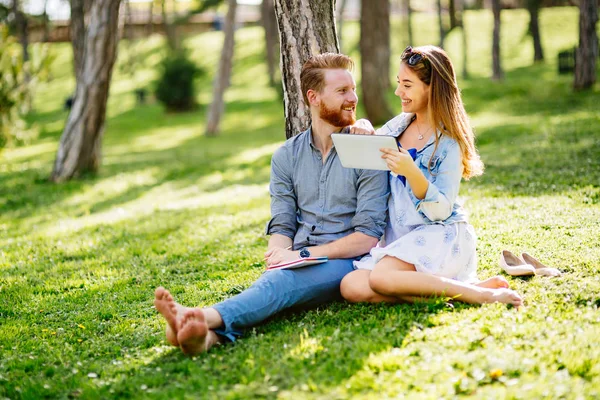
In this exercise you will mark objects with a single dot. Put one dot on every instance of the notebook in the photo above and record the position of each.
(299, 263)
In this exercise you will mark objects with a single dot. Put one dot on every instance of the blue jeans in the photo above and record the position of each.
(277, 290)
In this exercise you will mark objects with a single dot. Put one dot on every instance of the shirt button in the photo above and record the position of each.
(313, 228)
(308, 239)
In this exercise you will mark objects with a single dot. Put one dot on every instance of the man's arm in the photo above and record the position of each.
(354, 245)
(283, 198)
(368, 222)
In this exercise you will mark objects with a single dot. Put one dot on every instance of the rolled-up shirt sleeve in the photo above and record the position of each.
(283, 197)
(371, 203)
(438, 203)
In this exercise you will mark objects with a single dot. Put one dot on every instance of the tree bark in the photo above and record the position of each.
(587, 52)
(306, 28)
(497, 73)
(340, 6)
(452, 7)
(46, 23)
(150, 24)
(269, 21)
(409, 21)
(170, 28)
(533, 6)
(78, 36)
(460, 20)
(80, 144)
(21, 30)
(223, 75)
(375, 59)
(441, 23)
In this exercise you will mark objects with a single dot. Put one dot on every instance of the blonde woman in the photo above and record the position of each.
(429, 246)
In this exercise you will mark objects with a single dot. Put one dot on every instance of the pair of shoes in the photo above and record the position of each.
(524, 265)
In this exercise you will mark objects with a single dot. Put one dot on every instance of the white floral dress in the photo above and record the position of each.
(443, 250)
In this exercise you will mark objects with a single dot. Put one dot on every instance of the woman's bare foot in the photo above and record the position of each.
(170, 310)
(193, 332)
(502, 295)
(495, 282)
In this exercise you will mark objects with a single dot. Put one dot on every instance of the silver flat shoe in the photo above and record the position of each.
(514, 266)
(540, 269)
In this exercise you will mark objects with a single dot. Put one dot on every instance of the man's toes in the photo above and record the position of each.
(158, 293)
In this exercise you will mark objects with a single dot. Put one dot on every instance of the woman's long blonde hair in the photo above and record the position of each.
(446, 112)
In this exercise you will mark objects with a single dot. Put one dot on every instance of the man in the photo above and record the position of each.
(318, 208)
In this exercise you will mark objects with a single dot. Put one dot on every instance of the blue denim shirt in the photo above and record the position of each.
(315, 203)
(443, 169)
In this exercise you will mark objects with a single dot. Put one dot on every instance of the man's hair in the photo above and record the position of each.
(313, 76)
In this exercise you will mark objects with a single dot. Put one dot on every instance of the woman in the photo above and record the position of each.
(429, 246)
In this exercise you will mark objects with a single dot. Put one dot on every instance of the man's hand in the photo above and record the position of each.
(279, 255)
(361, 127)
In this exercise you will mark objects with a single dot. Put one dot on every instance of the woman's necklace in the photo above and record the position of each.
(422, 135)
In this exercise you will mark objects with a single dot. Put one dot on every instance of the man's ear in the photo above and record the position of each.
(313, 97)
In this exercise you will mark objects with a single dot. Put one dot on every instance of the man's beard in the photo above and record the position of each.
(336, 117)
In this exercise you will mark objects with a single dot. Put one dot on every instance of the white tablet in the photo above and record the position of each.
(362, 151)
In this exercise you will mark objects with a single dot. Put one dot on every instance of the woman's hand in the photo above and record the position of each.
(398, 161)
(279, 255)
(361, 127)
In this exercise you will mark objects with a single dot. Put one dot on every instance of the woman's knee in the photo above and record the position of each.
(379, 282)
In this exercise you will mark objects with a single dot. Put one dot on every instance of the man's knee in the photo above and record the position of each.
(353, 289)
(275, 280)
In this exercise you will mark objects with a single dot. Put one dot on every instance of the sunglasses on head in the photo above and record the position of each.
(412, 58)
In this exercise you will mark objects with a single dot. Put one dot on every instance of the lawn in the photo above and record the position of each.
(79, 261)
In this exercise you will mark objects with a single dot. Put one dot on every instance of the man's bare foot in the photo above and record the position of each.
(502, 295)
(170, 310)
(495, 282)
(193, 332)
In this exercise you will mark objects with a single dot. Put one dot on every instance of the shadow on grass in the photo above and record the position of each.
(305, 349)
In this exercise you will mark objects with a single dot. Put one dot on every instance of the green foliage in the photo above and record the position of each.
(175, 87)
(79, 262)
(17, 81)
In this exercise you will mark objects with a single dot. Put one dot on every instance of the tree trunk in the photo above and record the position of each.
(170, 31)
(77, 36)
(441, 23)
(127, 28)
(21, 30)
(46, 23)
(587, 53)
(80, 144)
(409, 22)
(533, 6)
(375, 59)
(223, 75)
(269, 21)
(339, 10)
(460, 20)
(306, 28)
(150, 24)
(496, 66)
(452, 12)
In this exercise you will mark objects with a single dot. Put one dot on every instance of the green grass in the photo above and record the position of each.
(79, 261)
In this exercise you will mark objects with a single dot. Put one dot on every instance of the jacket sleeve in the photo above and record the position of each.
(438, 203)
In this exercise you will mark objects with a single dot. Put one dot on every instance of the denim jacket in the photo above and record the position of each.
(443, 169)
